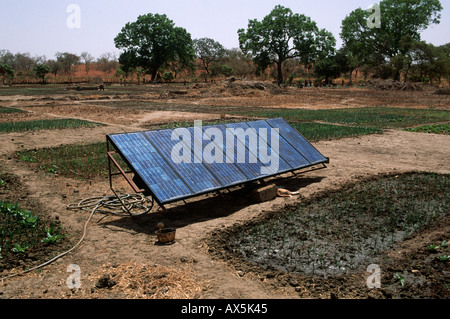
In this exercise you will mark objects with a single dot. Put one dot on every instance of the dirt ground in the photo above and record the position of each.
(121, 244)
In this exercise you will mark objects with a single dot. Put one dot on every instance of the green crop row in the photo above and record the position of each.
(9, 110)
(82, 161)
(44, 125)
(376, 117)
(317, 131)
(434, 129)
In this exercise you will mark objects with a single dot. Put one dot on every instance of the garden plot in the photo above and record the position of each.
(338, 233)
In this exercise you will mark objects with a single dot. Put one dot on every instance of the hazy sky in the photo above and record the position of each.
(39, 27)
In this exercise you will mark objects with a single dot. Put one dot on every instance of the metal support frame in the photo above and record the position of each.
(135, 188)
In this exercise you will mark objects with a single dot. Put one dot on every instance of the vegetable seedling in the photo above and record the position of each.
(20, 249)
(52, 239)
(400, 279)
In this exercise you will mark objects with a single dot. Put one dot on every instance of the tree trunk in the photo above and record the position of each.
(397, 75)
(407, 73)
(280, 72)
(154, 73)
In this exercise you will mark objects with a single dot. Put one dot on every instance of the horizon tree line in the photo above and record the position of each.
(284, 45)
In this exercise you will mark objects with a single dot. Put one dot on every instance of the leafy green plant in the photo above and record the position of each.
(19, 248)
(52, 236)
(444, 244)
(22, 230)
(432, 248)
(399, 278)
(443, 258)
(26, 218)
(28, 159)
(52, 170)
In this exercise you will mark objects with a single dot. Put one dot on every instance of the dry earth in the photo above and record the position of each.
(122, 243)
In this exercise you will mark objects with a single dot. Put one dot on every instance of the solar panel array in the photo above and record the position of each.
(150, 156)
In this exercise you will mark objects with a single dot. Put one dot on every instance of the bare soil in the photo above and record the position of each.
(126, 249)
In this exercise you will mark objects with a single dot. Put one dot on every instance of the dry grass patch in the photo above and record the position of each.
(142, 281)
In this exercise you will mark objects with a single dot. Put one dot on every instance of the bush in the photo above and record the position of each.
(168, 77)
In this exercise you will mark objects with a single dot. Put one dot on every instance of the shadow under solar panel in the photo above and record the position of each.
(171, 165)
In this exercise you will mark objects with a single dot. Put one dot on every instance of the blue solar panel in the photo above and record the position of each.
(151, 167)
(182, 163)
(196, 176)
(214, 156)
(289, 157)
(294, 138)
(239, 153)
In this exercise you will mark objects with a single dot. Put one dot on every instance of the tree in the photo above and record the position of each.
(347, 63)
(226, 70)
(88, 59)
(168, 76)
(153, 42)
(241, 63)
(6, 57)
(430, 62)
(207, 51)
(67, 60)
(107, 62)
(283, 35)
(444, 61)
(54, 66)
(23, 63)
(327, 68)
(402, 22)
(7, 72)
(41, 70)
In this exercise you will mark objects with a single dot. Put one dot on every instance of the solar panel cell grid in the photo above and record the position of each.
(289, 157)
(196, 177)
(226, 174)
(218, 165)
(150, 166)
(295, 139)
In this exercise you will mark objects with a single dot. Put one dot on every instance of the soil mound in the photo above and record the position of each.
(443, 92)
(391, 85)
(234, 87)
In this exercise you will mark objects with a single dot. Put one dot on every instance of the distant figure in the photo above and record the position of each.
(101, 87)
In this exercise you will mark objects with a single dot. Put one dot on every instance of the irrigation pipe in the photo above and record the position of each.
(112, 203)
